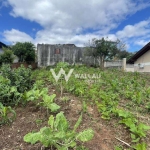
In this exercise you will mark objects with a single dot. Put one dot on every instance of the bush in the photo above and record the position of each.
(8, 94)
(7, 57)
(20, 78)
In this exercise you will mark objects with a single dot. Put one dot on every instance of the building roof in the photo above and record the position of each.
(139, 53)
(2, 45)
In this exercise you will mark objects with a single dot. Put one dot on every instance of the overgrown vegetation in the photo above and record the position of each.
(7, 57)
(112, 92)
(107, 93)
(13, 83)
(7, 114)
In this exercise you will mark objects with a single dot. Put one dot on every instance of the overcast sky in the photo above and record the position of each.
(75, 21)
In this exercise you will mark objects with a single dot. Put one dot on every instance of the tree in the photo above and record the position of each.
(124, 54)
(103, 49)
(24, 51)
(7, 56)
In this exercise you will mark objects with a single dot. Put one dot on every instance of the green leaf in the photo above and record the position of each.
(51, 121)
(61, 123)
(32, 137)
(140, 146)
(85, 135)
(49, 99)
(77, 123)
(118, 148)
(73, 144)
(53, 107)
(143, 126)
(134, 138)
(60, 135)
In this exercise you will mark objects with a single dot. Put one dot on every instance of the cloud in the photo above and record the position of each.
(141, 42)
(14, 36)
(96, 14)
(72, 21)
(140, 29)
(135, 35)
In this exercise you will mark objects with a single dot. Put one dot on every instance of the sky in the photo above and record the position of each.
(75, 21)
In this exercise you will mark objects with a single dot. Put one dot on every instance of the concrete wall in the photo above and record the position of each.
(129, 67)
(142, 64)
(113, 64)
(51, 54)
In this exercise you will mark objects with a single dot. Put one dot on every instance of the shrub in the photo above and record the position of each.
(8, 94)
(20, 78)
(7, 114)
(7, 57)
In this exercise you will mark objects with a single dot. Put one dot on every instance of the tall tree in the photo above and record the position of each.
(103, 49)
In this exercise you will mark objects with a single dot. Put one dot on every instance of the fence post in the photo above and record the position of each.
(124, 64)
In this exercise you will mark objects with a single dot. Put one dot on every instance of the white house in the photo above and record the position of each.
(141, 59)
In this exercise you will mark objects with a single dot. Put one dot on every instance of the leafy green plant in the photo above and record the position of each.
(48, 102)
(118, 148)
(140, 146)
(41, 98)
(21, 77)
(115, 95)
(7, 114)
(81, 148)
(34, 94)
(65, 99)
(8, 94)
(138, 130)
(58, 134)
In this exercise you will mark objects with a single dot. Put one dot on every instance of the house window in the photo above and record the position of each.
(57, 51)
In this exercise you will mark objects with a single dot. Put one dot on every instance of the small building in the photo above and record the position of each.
(141, 59)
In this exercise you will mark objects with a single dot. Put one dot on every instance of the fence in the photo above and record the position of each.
(130, 67)
(114, 64)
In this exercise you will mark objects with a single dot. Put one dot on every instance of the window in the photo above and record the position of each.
(57, 51)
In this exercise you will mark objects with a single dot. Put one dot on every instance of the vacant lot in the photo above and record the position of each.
(114, 104)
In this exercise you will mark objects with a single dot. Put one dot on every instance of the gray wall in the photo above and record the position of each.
(46, 56)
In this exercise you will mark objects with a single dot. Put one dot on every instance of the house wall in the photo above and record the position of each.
(142, 64)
